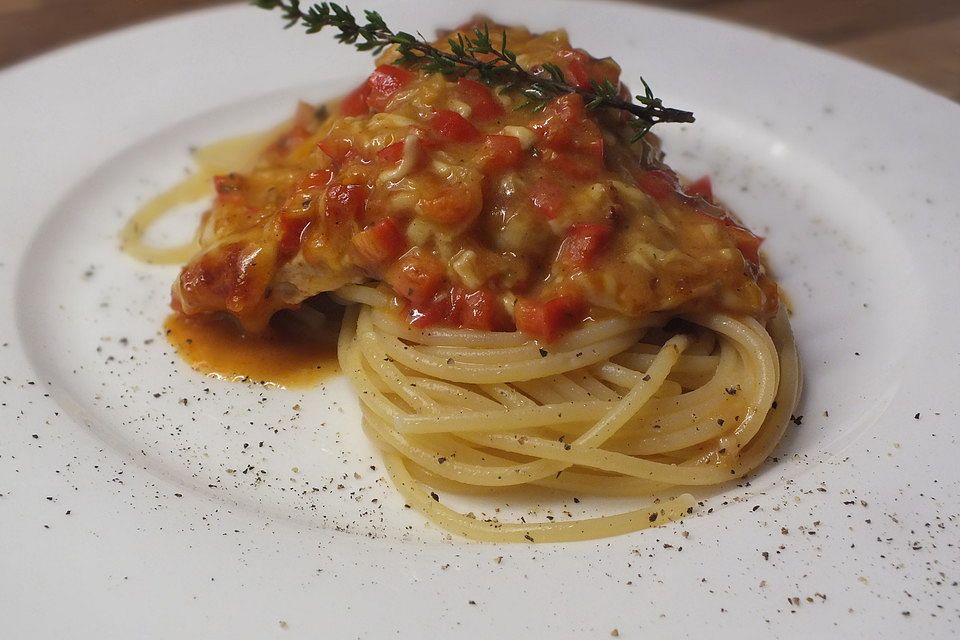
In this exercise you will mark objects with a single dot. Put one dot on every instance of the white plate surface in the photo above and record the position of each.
(139, 499)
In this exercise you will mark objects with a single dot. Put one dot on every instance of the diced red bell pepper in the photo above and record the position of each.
(578, 69)
(500, 153)
(384, 82)
(229, 186)
(702, 188)
(392, 153)
(336, 148)
(453, 204)
(548, 197)
(657, 183)
(583, 243)
(747, 243)
(547, 320)
(559, 121)
(345, 202)
(291, 235)
(483, 103)
(416, 277)
(355, 102)
(576, 139)
(585, 70)
(437, 310)
(476, 309)
(381, 242)
(316, 179)
(450, 126)
(458, 307)
(577, 65)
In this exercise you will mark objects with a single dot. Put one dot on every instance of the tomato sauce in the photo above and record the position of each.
(476, 209)
(288, 354)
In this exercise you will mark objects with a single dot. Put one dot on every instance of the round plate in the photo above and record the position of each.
(141, 499)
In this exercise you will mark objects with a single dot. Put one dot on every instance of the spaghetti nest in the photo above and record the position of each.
(619, 407)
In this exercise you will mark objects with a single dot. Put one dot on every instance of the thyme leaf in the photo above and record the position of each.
(480, 52)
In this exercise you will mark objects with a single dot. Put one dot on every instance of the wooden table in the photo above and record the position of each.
(917, 39)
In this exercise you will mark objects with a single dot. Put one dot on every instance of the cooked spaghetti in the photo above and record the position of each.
(532, 299)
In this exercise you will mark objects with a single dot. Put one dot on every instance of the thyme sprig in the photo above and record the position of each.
(480, 52)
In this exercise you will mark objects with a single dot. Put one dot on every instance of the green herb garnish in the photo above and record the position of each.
(498, 67)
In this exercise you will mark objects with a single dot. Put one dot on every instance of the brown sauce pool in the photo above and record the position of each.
(298, 350)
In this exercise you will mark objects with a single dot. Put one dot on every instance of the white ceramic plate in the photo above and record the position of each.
(138, 499)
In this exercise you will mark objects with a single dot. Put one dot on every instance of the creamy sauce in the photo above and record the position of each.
(290, 354)
(477, 214)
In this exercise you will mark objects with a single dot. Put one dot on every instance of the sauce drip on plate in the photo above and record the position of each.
(299, 350)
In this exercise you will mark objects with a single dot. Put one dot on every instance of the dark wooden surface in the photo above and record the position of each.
(917, 39)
